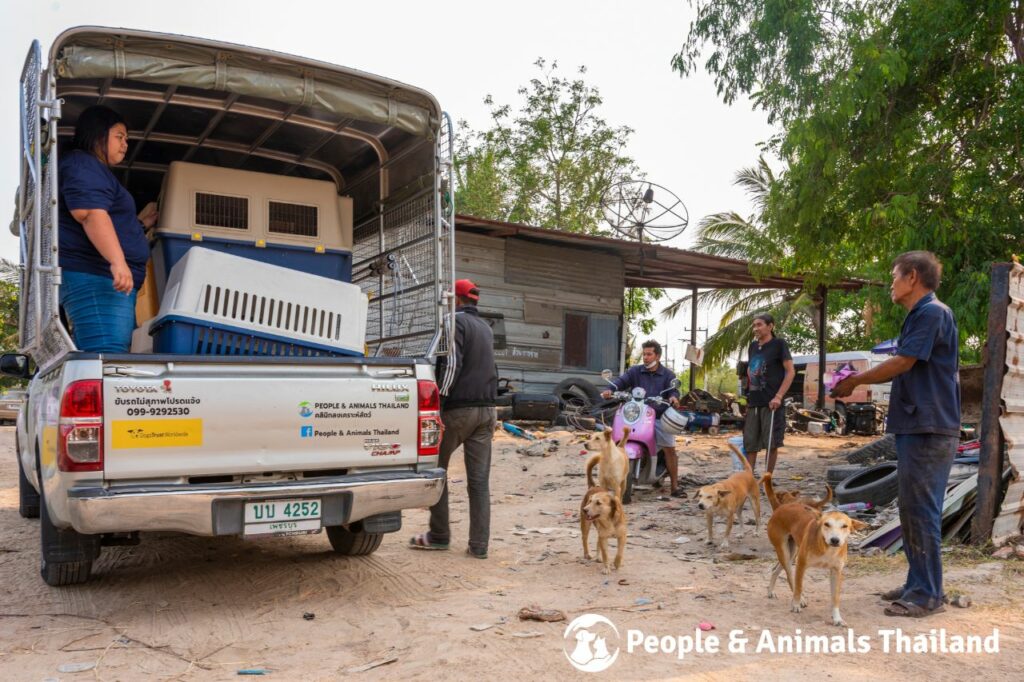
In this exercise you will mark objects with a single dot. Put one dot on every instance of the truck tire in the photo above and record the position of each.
(352, 543)
(877, 485)
(66, 556)
(28, 498)
(883, 449)
(837, 474)
(576, 392)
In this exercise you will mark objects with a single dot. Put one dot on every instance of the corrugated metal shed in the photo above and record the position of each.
(1010, 521)
(651, 265)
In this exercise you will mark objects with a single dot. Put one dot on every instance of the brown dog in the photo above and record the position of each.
(726, 498)
(604, 510)
(782, 497)
(610, 460)
(815, 539)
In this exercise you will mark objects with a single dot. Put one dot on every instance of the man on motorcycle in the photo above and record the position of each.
(655, 379)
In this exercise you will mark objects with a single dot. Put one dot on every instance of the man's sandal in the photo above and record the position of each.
(476, 555)
(422, 541)
(902, 608)
(892, 595)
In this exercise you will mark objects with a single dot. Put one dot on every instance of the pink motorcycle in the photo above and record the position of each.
(646, 463)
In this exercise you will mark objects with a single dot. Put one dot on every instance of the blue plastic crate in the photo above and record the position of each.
(183, 336)
(332, 264)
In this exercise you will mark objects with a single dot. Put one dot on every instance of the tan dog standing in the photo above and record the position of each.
(816, 539)
(610, 460)
(782, 497)
(602, 509)
(726, 498)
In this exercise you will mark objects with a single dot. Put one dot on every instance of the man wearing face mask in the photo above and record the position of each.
(655, 378)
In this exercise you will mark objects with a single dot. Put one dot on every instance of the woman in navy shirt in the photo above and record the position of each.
(103, 246)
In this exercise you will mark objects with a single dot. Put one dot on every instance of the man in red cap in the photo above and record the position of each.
(468, 379)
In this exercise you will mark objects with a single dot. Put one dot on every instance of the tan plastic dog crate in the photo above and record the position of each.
(294, 223)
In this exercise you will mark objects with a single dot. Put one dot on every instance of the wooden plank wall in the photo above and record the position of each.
(533, 285)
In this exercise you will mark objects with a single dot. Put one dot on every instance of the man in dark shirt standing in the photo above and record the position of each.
(770, 373)
(468, 382)
(656, 380)
(924, 413)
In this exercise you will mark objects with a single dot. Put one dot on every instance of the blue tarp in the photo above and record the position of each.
(885, 348)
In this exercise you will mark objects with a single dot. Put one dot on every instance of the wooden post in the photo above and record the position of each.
(819, 403)
(990, 464)
(693, 336)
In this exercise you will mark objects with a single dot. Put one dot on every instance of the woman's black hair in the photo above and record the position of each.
(93, 128)
(767, 319)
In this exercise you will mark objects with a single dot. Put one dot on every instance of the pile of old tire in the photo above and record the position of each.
(881, 450)
(578, 394)
(835, 475)
(876, 484)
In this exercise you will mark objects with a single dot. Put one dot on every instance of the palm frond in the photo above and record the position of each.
(9, 271)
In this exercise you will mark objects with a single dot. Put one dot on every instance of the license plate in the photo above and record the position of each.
(282, 517)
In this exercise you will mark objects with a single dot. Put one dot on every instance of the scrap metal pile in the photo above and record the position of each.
(867, 489)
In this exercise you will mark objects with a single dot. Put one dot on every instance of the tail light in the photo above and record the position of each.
(431, 428)
(80, 445)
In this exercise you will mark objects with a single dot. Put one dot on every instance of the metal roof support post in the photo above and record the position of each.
(822, 332)
(693, 336)
(990, 464)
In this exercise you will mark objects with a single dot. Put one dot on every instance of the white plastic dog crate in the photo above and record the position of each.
(219, 304)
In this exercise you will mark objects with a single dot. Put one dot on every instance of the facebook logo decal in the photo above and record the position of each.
(306, 431)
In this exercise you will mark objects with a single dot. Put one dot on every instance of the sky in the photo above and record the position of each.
(685, 138)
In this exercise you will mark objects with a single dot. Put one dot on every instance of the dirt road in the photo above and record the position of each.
(179, 607)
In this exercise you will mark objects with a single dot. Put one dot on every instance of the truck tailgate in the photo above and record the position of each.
(181, 419)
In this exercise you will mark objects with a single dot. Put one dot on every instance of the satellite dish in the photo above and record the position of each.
(644, 211)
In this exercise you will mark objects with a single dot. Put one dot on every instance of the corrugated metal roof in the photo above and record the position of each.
(652, 265)
(1010, 521)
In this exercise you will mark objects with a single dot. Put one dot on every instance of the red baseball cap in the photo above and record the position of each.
(466, 289)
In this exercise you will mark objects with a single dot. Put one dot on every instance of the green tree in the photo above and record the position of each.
(900, 128)
(548, 163)
(796, 312)
(9, 277)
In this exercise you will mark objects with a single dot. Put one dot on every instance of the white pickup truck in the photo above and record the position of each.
(229, 438)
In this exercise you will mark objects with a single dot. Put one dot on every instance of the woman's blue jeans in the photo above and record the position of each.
(102, 319)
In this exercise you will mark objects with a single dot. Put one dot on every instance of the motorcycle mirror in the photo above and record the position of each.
(606, 374)
(672, 385)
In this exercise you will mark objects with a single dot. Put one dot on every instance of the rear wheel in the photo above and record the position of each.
(353, 543)
(66, 556)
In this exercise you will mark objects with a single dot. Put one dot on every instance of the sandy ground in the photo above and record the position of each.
(178, 607)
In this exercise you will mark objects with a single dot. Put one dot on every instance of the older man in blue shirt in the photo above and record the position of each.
(655, 379)
(924, 413)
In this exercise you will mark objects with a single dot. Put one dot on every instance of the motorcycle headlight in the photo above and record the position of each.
(639, 393)
(631, 412)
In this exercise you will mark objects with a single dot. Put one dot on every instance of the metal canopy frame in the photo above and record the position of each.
(653, 265)
(222, 105)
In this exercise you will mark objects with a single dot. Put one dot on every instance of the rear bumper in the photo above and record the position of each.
(217, 509)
